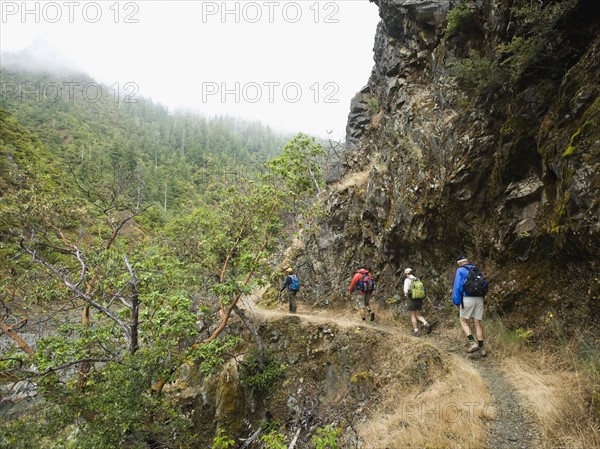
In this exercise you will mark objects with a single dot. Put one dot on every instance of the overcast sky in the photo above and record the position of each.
(293, 65)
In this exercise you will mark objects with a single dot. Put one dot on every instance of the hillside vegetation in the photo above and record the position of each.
(128, 237)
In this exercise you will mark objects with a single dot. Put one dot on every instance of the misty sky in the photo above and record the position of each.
(292, 65)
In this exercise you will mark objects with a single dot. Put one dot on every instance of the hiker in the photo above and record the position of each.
(415, 293)
(469, 306)
(292, 283)
(363, 283)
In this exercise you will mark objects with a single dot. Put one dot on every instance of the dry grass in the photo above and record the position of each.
(431, 398)
(558, 386)
(434, 400)
(354, 180)
(558, 395)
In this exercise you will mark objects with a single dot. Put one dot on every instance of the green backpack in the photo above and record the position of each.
(417, 289)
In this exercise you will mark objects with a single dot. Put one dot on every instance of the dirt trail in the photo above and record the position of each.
(513, 425)
(315, 316)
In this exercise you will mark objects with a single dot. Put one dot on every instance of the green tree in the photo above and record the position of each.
(299, 165)
(147, 299)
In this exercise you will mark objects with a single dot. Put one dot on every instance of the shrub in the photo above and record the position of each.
(326, 438)
(374, 105)
(477, 74)
(258, 375)
(274, 440)
(222, 441)
(461, 19)
(534, 45)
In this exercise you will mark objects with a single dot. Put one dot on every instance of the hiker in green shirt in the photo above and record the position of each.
(415, 293)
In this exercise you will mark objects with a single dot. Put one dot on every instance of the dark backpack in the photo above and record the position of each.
(417, 289)
(475, 285)
(295, 286)
(367, 283)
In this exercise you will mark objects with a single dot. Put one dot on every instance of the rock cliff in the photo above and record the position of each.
(477, 133)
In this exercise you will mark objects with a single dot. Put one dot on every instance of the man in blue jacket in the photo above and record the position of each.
(469, 306)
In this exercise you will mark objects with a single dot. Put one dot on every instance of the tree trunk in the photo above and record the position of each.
(16, 338)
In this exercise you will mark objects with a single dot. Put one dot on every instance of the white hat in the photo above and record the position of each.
(408, 270)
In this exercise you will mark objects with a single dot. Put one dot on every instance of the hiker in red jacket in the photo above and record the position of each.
(363, 283)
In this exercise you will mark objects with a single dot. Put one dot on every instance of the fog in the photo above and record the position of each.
(291, 65)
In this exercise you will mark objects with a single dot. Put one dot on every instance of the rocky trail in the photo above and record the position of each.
(512, 426)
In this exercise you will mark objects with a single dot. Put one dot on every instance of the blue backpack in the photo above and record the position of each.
(367, 283)
(295, 283)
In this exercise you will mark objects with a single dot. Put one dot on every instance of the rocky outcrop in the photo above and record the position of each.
(506, 172)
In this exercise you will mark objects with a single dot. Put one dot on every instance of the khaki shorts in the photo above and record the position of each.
(473, 308)
(362, 300)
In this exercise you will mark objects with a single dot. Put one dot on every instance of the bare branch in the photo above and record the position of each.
(135, 308)
(82, 263)
(120, 225)
(65, 365)
(118, 295)
(312, 176)
(295, 440)
(79, 293)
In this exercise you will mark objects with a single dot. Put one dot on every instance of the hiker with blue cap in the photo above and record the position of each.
(467, 296)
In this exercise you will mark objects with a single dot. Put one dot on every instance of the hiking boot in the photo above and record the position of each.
(482, 352)
(372, 316)
(474, 347)
(427, 327)
(415, 332)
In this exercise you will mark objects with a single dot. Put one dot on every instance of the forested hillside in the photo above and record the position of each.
(93, 129)
(128, 236)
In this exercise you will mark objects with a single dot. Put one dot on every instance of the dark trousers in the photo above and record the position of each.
(292, 300)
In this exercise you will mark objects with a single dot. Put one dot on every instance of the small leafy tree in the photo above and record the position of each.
(222, 441)
(274, 440)
(326, 438)
(299, 166)
(533, 44)
(531, 50)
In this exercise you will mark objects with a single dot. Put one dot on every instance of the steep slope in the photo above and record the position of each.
(380, 387)
(477, 133)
